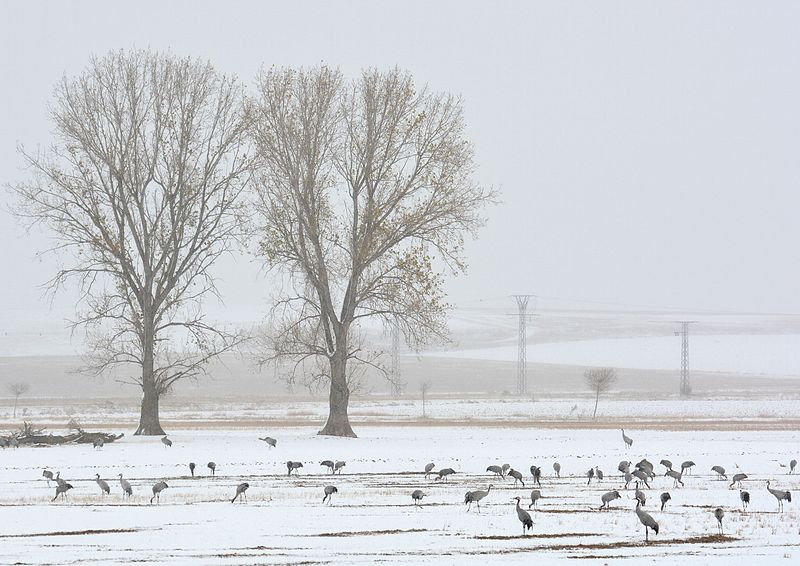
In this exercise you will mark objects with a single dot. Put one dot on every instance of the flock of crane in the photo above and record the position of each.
(640, 473)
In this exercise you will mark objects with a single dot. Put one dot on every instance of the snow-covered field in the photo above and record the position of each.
(372, 518)
(767, 355)
(573, 411)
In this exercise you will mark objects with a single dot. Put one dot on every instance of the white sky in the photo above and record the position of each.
(647, 152)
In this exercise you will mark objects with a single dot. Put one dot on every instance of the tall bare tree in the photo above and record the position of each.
(364, 186)
(142, 186)
(599, 380)
(18, 389)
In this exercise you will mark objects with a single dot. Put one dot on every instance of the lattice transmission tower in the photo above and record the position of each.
(686, 385)
(522, 354)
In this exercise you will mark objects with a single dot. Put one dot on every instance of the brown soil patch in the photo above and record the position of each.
(542, 536)
(705, 539)
(72, 533)
(370, 533)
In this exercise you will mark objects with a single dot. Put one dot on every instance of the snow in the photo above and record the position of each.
(284, 521)
(767, 355)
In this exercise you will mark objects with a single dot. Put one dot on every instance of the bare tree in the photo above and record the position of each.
(18, 389)
(365, 194)
(599, 380)
(141, 189)
(424, 387)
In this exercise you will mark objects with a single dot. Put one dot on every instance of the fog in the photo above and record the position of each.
(646, 154)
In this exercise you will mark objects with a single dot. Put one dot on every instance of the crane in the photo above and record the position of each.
(664, 498)
(608, 497)
(157, 489)
(646, 520)
(780, 495)
(271, 441)
(719, 514)
(524, 517)
(476, 497)
(127, 490)
(417, 496)
(329, 491)
(103, 485)
(626, 439)
(240, 490)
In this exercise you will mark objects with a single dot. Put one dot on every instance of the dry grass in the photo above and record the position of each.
(72, 533)
(370, 533)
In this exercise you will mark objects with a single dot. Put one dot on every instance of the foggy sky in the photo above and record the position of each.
(646, 153)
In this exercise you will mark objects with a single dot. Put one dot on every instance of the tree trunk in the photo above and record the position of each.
(338, 422)
(15, 406)
(149, 424)
(596, 400)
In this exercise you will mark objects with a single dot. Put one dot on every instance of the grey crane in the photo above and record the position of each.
(666, 463)
(337, 467)
(524, 517)
(506, 467)
(157, 489)
(62, 489)
(166, 442)
(444, 472)
(719, 514)
(745, 497)
(792, 466)
(496, 470)
(192, 466)
(720, 471)
(417, 496)
(639, 495)
(48, 475)
(598, 473)
(103, 485)
(58, 479)
(475, 497)
(780, 495)
(627, 439)
(557, 469)
(628, 479)
(687, 465)
(624, 467)
(677, 476)
(98, 443)
(590, 475)
(608, 497)
(536, 495)
(328, 464)
(271, 441)
(241, 489)
(646, 520)
(213, 467)
(13, 442)
(664, 498)
(642, 476)
(329, 491)
(127, 490)
(293, 467)
(516, 475)
(737, 479)
(536, 472)
(647, 467)
(428, 469)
